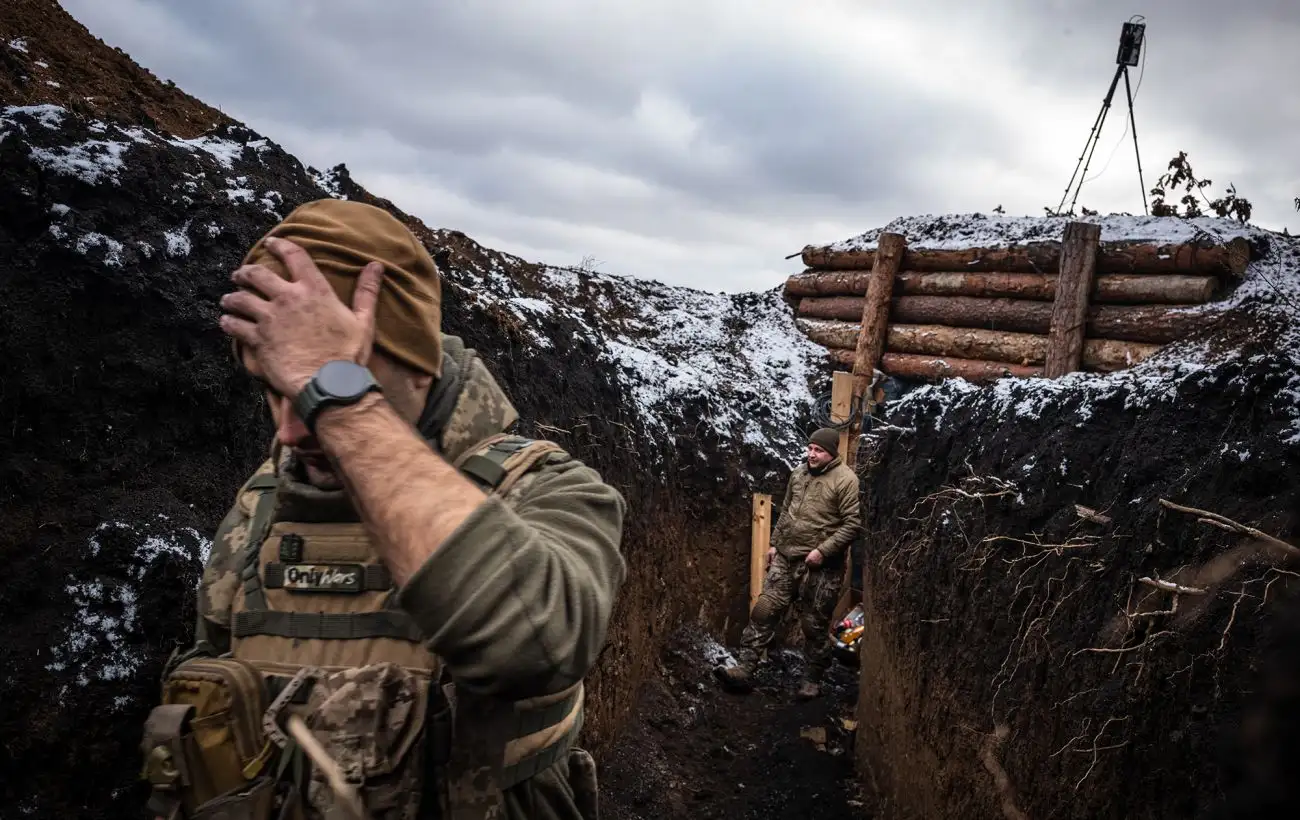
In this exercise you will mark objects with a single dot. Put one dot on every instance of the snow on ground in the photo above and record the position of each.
(955, 231)
(101, 643)
(736, 360)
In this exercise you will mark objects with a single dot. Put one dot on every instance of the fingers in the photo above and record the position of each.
(246, 304)
(366, 295)
(240, 329)
(261, 279)
(296, 261)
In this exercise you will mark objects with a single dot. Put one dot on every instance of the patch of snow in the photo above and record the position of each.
(177, 242)
(715, 654)
(112, 248)
(327, 181)
(91, 161)
(52, 84)
(19, 44)
(224, 151)
(955, 231)
(101, 640)
(42, 64)
(50, 116)
(59, 209)
(146, 249)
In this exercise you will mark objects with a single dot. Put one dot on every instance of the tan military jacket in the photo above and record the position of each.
(820, 511)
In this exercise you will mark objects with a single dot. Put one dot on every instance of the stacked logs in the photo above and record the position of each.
(985, 313)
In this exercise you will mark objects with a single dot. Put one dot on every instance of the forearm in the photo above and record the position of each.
(392, 476)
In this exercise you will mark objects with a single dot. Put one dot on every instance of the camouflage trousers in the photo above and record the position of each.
(814, 593)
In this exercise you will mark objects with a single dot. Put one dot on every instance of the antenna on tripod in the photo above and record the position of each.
(1130, 46)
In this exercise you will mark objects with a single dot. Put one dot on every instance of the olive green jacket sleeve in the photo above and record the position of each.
(517, 600)
(847, 509)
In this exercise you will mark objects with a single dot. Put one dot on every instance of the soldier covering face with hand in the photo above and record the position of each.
(422, 590)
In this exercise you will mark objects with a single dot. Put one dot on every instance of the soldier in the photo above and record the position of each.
(423, 591)
(819, 521)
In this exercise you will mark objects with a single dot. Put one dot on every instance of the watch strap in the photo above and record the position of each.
(311, 400)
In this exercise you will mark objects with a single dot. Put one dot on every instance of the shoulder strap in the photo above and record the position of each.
(499, 461)
(259, 524)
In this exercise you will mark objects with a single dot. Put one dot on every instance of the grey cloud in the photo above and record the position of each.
(650, 134)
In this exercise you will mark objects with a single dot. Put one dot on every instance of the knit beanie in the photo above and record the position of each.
(828, 439)
(342, 237)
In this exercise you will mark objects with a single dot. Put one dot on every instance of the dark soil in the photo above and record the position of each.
(993, 605)
(695, 751)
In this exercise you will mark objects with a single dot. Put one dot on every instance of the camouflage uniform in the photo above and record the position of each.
(514, 605)
(821, 511)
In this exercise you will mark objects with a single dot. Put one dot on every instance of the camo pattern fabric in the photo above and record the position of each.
(220, 579)
(481, 410)
(367, 719)
(816, 591)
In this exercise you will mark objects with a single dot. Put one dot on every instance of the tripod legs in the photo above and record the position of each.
(1128, 89)
(1085, 159)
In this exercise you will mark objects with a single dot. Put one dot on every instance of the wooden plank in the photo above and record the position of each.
(841, 407)
(1070, 309)
(760, 541)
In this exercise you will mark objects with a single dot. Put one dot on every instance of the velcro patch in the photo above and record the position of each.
(323, 577)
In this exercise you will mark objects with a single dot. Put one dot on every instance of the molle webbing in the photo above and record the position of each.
(499, 466)
(258, 619)
(336, 626)
(542, 737)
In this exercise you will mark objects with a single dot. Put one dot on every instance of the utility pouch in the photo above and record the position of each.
(370, 720)
(204, 745)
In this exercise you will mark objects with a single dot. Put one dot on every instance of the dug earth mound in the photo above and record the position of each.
(127, 427)
(1054, 627)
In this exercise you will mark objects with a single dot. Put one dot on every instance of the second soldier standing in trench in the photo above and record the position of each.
(820, 519)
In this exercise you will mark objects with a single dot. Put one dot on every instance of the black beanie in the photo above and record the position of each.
(828, 439)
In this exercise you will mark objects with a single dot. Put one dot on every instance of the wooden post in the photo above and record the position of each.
(841, 406)
(760, 539)
(875, 312)
(1070, 309)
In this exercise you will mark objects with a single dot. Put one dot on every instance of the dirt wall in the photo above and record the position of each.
(1015, 664)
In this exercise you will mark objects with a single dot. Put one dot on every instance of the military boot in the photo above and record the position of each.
(738, 678)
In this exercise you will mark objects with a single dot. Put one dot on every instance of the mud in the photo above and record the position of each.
(695, 751)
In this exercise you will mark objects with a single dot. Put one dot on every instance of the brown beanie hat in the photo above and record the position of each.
(342, 237)
(828, 439)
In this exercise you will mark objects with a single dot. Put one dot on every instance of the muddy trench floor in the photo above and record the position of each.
(694, 750)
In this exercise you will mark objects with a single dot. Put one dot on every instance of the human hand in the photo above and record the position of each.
(294, 326)
(814, 559)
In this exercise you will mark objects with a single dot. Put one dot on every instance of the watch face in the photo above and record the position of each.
(343, 380)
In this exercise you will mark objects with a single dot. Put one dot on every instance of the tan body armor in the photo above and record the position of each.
(316, 632)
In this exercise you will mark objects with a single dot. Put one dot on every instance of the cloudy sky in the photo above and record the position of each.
(700, 142)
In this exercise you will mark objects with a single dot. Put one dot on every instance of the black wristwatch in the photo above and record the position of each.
(337, 382)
